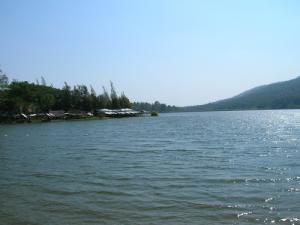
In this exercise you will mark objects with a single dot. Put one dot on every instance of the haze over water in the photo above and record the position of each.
(186, 168)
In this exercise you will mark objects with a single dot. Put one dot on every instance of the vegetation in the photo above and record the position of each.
(281, 95)
(24, 97)
(155, 107)
(154, 113)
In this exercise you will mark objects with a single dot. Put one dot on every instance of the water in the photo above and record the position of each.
(185, 168)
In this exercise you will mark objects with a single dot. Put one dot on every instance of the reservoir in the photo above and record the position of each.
(175, 169)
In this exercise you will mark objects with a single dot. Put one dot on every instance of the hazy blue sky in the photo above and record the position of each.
(178, 52)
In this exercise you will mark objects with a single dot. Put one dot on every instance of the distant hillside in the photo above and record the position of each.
(281, 95)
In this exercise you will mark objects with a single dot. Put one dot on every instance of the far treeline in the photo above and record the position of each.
(24, 97)
(155, 107)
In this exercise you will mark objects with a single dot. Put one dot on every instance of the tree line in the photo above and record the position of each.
(155, 107)
(38, 97)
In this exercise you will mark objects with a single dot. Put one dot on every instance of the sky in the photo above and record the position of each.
(178, 52)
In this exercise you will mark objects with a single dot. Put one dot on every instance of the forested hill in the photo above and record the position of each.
(281, 95)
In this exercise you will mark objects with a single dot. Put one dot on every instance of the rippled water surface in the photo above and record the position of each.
(185, 168)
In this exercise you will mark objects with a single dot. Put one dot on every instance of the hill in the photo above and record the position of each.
(280, 95)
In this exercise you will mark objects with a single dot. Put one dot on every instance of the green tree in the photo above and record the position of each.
(66, 97)
(104, 99)
(93, 98)
(47, 101)
(25, 97)
(124, 101)
(115, 104)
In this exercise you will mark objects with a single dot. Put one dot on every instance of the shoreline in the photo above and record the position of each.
(60, 115)
(60, 120)
(48, 121)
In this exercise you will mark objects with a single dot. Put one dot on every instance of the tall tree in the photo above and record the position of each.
(124, 101)
(115, 104)
(93, 98)
(105, 99)
(66, 97)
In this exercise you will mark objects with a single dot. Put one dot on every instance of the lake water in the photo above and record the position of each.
(185, 168)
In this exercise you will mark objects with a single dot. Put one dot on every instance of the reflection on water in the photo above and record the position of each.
(187, 168)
